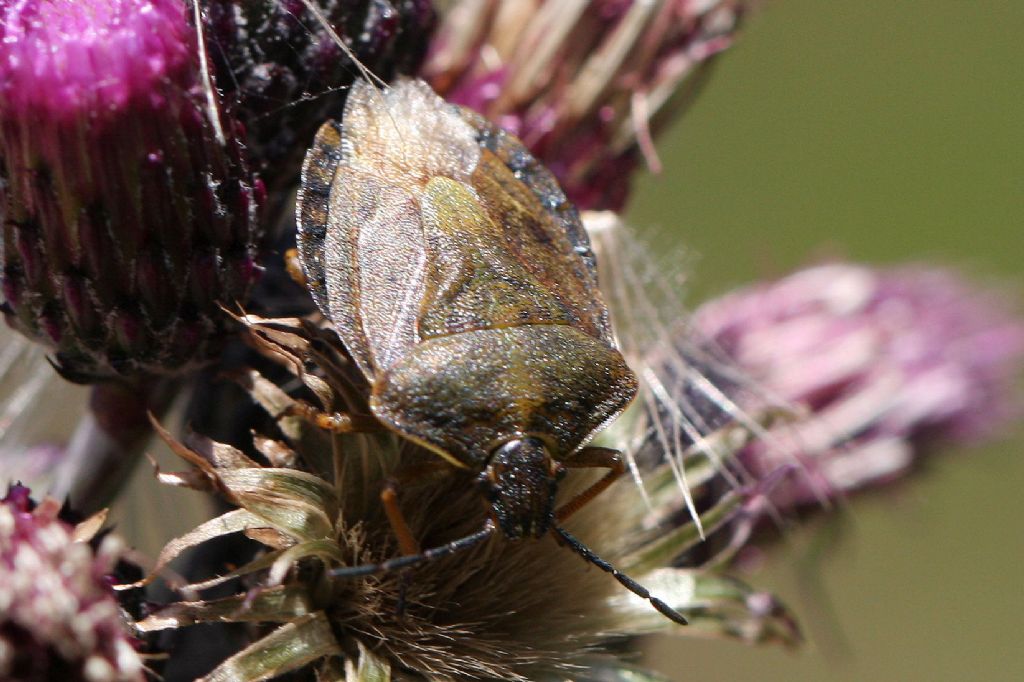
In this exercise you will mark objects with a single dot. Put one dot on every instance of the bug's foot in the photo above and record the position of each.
(335, 422)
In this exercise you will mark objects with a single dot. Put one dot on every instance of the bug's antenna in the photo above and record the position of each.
(326, 25)
(431, 554)
(627, 582)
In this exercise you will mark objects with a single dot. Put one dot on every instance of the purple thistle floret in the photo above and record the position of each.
(585, 85)
(129, 212)
(65, 57)
(59, 619)
(885, 362)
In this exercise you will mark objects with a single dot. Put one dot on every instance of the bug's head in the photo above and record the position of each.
(520, 482)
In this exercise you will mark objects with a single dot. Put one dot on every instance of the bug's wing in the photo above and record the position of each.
(360, 226)
(473, 282)
(436, 223)
(495, 259)
(374, 246)
(541, 227)
(337, 213)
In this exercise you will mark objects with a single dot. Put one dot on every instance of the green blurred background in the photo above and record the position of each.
(883, 132)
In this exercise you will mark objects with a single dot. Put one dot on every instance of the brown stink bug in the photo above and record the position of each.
(462, 283)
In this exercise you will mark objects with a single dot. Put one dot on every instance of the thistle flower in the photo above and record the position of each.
(129, 212)
(58, 616)
(884, 363)
(501, 610)
(585, 85)
(282, 73)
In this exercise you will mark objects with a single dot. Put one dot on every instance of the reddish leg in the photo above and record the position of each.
(335, 422)
(407, 543)
(588, 458)
(389, 498)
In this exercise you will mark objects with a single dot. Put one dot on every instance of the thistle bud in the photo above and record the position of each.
(282, 72)
(584, 85)
(58, 616)
(883, 363)
(129, 213)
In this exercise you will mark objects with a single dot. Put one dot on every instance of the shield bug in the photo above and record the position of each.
(462, 283)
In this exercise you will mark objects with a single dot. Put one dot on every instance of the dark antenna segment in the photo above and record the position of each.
(627, 582)
(431, 554)
(399, 563)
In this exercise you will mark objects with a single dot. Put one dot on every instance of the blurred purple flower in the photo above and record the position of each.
(58, 616)
(585, 85)
(884, 361)
(129, 213)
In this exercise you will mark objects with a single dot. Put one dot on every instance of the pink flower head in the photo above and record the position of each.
(58, 615)
(883, 361)
(585, 85)
(60, 58)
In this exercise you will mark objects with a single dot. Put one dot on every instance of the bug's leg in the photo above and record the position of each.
(335, 422)
(389, 498)
(588, 458)
(407, 473)
(293, 267)
(407, 543)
